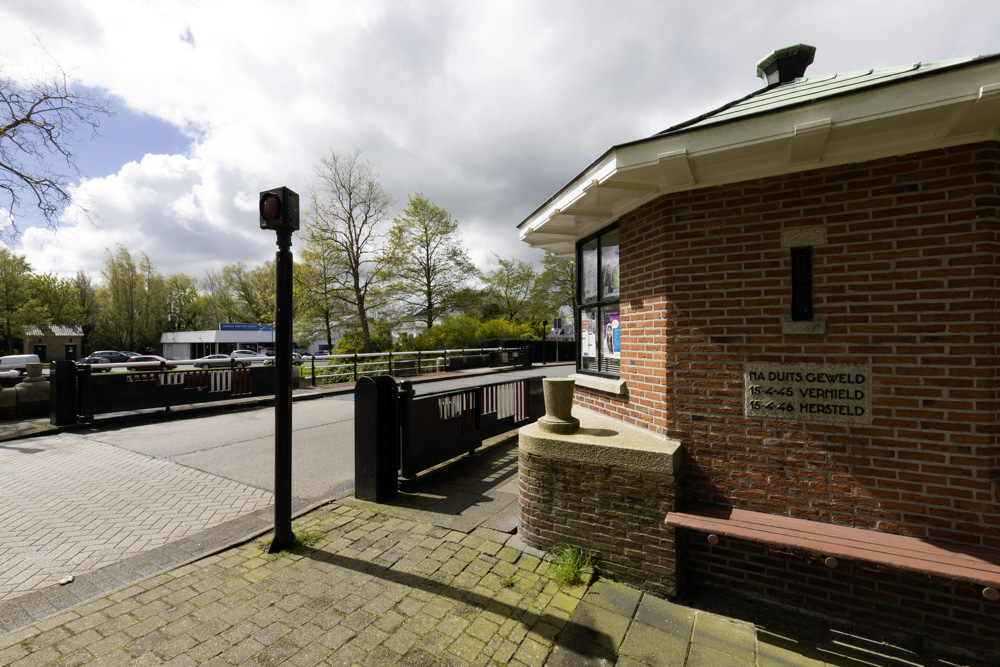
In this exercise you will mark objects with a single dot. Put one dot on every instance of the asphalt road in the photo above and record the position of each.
(240, 446)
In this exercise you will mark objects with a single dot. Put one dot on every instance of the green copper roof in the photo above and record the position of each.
(814, 88)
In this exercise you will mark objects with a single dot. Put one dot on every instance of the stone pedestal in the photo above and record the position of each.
(559, 417)
(605, 488)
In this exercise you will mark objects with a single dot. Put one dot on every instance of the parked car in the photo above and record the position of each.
(97, 364)
(113, 356)
(18, 362)
(218, 360)
(248, 355)
(148, 362)
(296, 360)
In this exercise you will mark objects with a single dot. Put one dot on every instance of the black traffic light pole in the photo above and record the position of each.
(279, 210)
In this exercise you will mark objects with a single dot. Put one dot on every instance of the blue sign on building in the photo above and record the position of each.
(235, 326)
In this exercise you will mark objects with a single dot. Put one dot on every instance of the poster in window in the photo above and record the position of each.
(612, 334)
(609, 269)
(588, 333)
(589, 257)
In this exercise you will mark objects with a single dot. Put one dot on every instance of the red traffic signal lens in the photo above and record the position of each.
(270, 207)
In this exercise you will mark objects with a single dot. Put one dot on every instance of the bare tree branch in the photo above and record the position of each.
(40, 123)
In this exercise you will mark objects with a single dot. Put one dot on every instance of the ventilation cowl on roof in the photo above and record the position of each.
(786, 64)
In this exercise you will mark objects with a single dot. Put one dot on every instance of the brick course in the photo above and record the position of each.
(614, 513)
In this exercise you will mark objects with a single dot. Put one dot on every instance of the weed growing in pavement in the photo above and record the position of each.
(307, 538)
(569, 564)
(507, 582)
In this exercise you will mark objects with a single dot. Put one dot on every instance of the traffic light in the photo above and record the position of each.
(279, 210)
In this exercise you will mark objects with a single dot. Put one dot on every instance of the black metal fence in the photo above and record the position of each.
(398, 433)
(79, 393)
(333, 369)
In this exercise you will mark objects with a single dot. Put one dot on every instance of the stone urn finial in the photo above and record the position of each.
(559, 417)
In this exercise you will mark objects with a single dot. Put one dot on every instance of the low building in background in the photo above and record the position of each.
(54, 342)
(225, 339)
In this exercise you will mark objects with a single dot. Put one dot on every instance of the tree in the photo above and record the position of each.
(59, 298)
(457, 332)
(348, 210)
(318, 311)
(510, 287)
(133, 313)
(556, 285)
(39, 122)
(236, 293)
(252, 291)
(17, 309)
(428, 262)
(183, 306)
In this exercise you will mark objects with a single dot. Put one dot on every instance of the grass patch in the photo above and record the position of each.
(305, 538)
(569, 564)
(507, 582)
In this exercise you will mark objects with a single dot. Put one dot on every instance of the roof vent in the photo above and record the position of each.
(786, 64)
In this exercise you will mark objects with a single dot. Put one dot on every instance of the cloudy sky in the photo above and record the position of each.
(488, 108)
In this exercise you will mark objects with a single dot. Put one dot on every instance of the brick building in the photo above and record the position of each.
(800, 289)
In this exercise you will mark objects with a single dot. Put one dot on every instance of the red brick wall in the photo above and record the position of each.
(907, 282)
(614, 513)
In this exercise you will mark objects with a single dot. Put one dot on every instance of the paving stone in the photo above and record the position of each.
(725, 636)
(605, 627)
(653, 646)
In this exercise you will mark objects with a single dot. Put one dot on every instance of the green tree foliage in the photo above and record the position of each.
(183, 305)
(236, 293)
(86, 299)
(348, 211)
(318, 311)
(556, 287)
(454, 333)
(495, 332)
(252, 291)
(353, 340)
(17, 308)
(132, 302)
(427, 260)
(58, 297)
(510, 287)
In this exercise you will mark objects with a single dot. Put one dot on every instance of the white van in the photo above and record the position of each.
(18, 362)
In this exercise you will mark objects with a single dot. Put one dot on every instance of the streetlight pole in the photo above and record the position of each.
(279, 210)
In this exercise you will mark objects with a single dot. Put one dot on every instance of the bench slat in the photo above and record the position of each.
(938, 559)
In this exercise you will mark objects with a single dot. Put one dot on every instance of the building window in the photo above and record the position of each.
(802, 285)
(597, 305)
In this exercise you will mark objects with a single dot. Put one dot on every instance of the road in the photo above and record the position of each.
(76, 502)
(240, 446)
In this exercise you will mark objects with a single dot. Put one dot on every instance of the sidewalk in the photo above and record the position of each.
(437, 577)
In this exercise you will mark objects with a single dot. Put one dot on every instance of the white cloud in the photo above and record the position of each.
(488, 108)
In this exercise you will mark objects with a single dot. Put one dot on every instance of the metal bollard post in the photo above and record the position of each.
(62, 393)
(376, 439)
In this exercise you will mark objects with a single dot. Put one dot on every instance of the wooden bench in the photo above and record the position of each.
(955, 562)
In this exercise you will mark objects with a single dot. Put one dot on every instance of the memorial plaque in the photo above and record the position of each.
(822, 393)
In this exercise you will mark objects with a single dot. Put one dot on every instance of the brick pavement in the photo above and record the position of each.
(70, 504)
(374, 589)
(420, 581)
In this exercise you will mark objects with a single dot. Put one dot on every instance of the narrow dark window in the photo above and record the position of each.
(802, 284)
